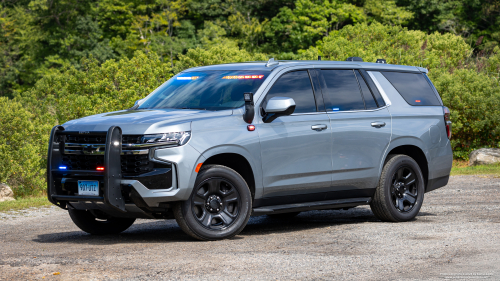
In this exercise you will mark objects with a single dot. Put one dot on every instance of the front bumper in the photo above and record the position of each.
(120, 194)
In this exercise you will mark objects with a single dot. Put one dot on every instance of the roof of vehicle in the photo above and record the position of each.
(261, 66)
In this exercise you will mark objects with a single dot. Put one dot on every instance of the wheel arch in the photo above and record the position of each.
(414, 152)
(240, 160)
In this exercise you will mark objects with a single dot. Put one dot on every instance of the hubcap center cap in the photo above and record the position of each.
(214, 203)
(400, 187)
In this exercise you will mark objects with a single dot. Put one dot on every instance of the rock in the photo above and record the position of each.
(6, 193)
(484, 156)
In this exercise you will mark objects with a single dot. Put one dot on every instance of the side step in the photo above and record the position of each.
(319, 205)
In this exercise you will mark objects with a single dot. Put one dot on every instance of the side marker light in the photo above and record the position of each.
(63, 168)
(198, 167)
(100, 168)
(251, 128)
(417, 100)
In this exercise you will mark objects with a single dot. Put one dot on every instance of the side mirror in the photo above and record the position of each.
(278, 106)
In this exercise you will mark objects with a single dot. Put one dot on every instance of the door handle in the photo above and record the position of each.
(319, 127)
(378, 124)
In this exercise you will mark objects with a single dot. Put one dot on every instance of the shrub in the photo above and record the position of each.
(474, 99)
(22, 149)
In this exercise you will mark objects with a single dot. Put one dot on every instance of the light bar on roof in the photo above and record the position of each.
(243, 77)
(188, 78)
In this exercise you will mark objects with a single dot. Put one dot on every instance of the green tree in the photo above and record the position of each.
(309, 21)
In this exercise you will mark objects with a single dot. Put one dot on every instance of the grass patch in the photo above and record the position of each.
(463, 168)
(24, 203)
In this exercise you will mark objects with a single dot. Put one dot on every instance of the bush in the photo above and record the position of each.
(474, 99)
(396, 44)
(22, 149)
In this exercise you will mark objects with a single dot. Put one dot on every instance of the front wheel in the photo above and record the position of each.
(219, 207)
(400, 192)
(98, 223)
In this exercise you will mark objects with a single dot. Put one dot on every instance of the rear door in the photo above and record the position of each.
(296, 149)
(361, 131)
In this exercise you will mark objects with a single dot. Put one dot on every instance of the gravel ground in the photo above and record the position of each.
(456, 236)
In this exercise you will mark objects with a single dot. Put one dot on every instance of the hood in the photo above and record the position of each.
(144, 121)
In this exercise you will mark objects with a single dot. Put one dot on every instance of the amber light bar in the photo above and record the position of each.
(244, 77)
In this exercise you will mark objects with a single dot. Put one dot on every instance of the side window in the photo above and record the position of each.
(342, 91)
(367, 94)
(413, 87)
(373, 88)
(295, 85)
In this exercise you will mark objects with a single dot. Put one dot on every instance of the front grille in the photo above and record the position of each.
(131, 164)
(86, 152)
(101, 139)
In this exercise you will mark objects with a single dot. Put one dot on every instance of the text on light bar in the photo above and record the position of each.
(244, 77)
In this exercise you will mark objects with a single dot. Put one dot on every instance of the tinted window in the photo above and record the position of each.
(342, 91)
(413, 88)
(373, 88)
(209, 90)
(367, 94)
(295, 85)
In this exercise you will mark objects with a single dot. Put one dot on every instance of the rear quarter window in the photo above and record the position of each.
(413, 87)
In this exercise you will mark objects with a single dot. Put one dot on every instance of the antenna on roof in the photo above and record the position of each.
(319, 57)
(271, 62)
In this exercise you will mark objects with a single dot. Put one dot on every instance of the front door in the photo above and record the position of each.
(296, 149)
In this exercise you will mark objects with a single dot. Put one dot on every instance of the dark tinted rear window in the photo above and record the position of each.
(342, 91)
(295, 85)
(413, 87)
(367, 94)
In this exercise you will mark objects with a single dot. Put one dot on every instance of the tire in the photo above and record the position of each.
(219, 206)
(101, 225)
(283, 216)
(400, 192)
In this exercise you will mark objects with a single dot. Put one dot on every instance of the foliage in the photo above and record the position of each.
(216, 55)
(472, 98)
(477, 20)
(65, 59)
(396, 44)
(114, 85)
(22, 150)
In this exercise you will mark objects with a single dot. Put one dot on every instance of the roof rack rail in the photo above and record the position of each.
(354, 59)
(271, 62)
(381, 61)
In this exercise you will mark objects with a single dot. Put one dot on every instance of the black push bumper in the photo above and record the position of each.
(109, 178)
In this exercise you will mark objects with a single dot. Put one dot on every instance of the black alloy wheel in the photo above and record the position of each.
(404, 189)
(400, 192)
(219, 207)
(215, 203)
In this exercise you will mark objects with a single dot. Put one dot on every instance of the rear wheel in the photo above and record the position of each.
(400, 192)
(219, 207)
(98, 223)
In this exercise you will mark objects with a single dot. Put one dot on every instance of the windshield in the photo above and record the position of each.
(210, 90)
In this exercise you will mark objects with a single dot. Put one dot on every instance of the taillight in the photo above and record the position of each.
(447, 121)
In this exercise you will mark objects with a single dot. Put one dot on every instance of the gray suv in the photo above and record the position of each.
(217, 144)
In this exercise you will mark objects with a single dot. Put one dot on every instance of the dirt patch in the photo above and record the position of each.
(455, 233)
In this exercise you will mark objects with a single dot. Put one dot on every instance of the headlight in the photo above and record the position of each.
(174, 138)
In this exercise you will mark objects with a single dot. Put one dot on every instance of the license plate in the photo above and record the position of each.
(88, 188)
